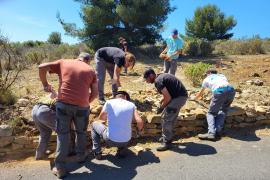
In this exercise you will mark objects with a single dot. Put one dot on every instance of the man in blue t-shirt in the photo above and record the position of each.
(170, 54)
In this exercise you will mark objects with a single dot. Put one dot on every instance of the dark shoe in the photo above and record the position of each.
(207, 136)
(220, 134)
(164, 146)
(40, 156)
(121, 153)
(60, 173)
(98, 155)
(102, 101)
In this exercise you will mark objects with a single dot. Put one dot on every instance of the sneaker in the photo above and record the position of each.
(164, 146)
(59, 172)
(121, 153)
(98, 155)
(102, 101)
(207, 136)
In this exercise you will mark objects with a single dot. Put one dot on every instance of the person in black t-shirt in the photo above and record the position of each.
(174, 97)
(113, 60)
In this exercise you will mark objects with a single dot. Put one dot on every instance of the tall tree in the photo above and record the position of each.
(138, 21)
(55, 38)
(210, 23)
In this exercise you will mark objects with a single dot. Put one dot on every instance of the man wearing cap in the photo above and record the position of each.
(76, 77)
(174, 97)
(170, 54)
(113, 60)
(223, 95)
(118, 113)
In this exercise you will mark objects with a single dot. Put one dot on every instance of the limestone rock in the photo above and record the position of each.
(261, 109)
(17, 146)
(5, 130)
(236, 111)
(22, 140)
(258, 82)
(22, 102)
(6, 140)
(153, 118)
(97, 109)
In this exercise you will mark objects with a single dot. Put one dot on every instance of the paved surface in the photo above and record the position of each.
(241, 157)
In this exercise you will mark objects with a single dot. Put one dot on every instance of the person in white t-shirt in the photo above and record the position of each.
(223, 95)
(119, 113)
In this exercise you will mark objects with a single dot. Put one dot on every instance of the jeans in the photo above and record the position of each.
(218, 109)
(169, 116)
(99, 131)
(170, 67)
(65, 114)
(101, 67)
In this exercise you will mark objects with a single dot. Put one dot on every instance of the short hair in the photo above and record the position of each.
(123, 93)
(84, 56)
(130, 57)
(211, 71)
(148, 72)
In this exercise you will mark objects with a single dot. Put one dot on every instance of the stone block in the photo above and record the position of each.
(236, 111)
(263, 122)
(17, 147)
(261, 117)
(6, 140)
(250, 119)
(239, 119)
(150, 126)
(251, 114)
(152, 131)
(154, 118)
(22, 140)
(5, 130)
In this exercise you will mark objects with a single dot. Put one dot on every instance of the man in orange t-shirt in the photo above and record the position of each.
(76, 77)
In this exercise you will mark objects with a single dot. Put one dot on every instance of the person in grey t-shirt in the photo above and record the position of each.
(113, 60)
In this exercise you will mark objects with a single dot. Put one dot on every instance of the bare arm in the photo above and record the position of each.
(94, 92)
(116, 75)
(166, 98)
(164, 51)
(176, 53)
(200, 93)
(138, 120)
(43, 69)
(102, 115)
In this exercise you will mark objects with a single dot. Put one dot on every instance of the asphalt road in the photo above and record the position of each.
(237, 158)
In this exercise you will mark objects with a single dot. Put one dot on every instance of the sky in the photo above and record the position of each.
(22, 20)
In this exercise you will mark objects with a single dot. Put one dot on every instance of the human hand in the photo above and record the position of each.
(48, 88)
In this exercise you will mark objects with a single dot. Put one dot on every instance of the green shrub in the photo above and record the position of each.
(240, 47)
(7, 97)
(195, 72)
(197, 47)
(34, 56)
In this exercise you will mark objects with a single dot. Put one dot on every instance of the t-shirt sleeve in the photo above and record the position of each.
(119, 61)
(105, 107)
(159, 85)
(55, 67)
(205, 83)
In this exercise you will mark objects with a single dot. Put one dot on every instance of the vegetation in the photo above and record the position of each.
(210, 23)
(139, 21)
(55, 38)
(195, 72)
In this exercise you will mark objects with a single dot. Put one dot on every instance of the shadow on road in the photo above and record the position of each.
(121, 169)
(193, 149)
(243, 134)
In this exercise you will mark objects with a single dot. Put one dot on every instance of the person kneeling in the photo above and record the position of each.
(119, 113)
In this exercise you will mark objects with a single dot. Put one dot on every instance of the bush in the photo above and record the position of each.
(195, 72)
(7, 97)
(197, 47)
(240, 47)
(34, 56)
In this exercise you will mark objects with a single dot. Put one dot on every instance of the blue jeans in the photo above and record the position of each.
(65, 113)
(219, 106)
(99, 131)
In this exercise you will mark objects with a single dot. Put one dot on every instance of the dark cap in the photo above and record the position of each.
(174, 32)
(123, 93)
(211, 71)
(148, 72)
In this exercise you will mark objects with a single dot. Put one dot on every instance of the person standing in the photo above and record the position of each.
(223, 95)
(119, 113)
(170, 54)
(124, 46)
(76, 77)
(113, 60)
(174, 97)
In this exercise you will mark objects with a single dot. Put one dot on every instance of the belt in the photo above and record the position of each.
(222, 89)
